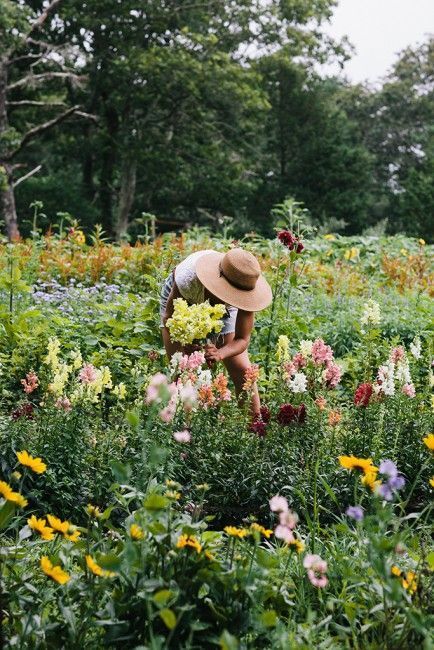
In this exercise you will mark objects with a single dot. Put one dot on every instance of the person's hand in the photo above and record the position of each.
(212, 353)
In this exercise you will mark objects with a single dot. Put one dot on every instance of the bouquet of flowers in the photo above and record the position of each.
(190, 323)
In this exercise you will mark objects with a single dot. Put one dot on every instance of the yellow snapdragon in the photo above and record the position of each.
(53, 349)
(193, 322)
(282, 350)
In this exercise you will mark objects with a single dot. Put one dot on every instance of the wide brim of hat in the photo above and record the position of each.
(208, 272)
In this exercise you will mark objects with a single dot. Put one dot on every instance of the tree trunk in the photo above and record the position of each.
(126, 196)
(7, 197)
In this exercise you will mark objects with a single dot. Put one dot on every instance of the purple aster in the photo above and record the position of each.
(385, 492)
(396, 482)
(355, 512)
(388, 468)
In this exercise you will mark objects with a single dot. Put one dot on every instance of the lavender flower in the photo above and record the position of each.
(355, 512)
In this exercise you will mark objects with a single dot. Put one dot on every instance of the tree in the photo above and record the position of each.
(31, 68)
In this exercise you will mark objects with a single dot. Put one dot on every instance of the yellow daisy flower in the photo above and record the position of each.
(429, 441)
(260, 529)
(297, 545)
(93, 511)
(189, 540)
(233, 531)
(56, 573)
(409, 582)
(370, 479)
(9, 495)
(97, 569)
(352, 462)
(36, 464)
(136, 532)
(40, 526)
(431, 482)
(395, 571)
(57, 524)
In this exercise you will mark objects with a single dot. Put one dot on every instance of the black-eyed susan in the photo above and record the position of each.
(189, 541)
(56, 573)
(266, 532)
(233, 531)
(35, 464)
(136, 532)
(361, 464)
(40, 526)
(96, 569)
(395, 571)
(369, 479)
(93, 511)
(429, 441)
(9, 495)
(296, 545)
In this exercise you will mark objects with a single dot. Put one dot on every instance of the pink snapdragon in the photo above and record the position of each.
(332, 374)
(321, 353)
(409, 390)
(284, 533)
(192, 361)
(182, 436)
(251, 376)
(88, 374)
(316, 570)
(397, 354)
(299, 361)
(155, 386)
(63, 403)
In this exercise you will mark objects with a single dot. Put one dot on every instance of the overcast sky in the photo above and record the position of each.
(379, 29)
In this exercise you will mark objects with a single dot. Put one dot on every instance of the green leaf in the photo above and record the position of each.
(109, 561)
(269, 618)
(430, 560)
(133, 419)
(6, 514)
(156, 502)
(162, 596)
(265, 559)
(228, 642)
(121, 471)
(168, 617)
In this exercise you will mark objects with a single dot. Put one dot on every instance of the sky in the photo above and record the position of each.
(379, 29)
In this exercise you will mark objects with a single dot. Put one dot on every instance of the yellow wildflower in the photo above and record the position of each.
(192, 322)
(409, 582)
(330, 237)
(9, 495)
(52, 358)
(56, 573)
(97, 569)
(351, 253)
(77, 359)
(282, 349)
(136, 532)
(297, 545)
(429, 441)
(172, 494)
(209, 556)
(57, 524)
(120, 391)
(79, 237)
(370, 479)
(40, 526)
(362, 464)
(93, 511)
(233, 531)
(431, 482)
(260, 529)
(60, 379)
(36, 464)
(422, 242)
(395, 571)
(73, 534)
(189, 540)
(403, 252)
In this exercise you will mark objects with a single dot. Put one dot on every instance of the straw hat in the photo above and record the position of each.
(235, 278)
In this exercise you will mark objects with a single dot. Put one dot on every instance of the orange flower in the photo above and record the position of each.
(321, 403)
(334, 418)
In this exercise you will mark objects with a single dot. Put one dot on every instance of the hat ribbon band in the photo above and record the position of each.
(232, 282)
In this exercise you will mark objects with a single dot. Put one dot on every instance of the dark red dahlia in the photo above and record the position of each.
(300, 247)
(287, 238)
(300, 413)
(363, 395)
(259, 427)
(265, 413)
(23, 411)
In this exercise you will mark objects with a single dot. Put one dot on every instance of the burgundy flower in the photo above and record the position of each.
(288, 414)
(291, 241)
(259, 427)
(25, 410)
(300, 247)
(363, 395)
(265, 413)
(153, 355)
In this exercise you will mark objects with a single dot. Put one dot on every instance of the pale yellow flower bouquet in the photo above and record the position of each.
(191, 323)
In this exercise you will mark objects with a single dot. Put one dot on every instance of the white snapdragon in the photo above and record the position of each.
(298, 384)
(416, 348)
(386, 378)
(306, 348)
(371, 313)
(402, 373)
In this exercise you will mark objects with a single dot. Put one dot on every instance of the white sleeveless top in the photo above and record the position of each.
(189, 285)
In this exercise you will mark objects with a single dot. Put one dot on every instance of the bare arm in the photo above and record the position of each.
(240, 343)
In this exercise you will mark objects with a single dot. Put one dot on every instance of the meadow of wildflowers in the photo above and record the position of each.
(140, 504)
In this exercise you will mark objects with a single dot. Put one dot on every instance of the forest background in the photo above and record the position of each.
(206, 112)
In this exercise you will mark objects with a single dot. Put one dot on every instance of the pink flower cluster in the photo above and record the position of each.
(30, 383)
(88, 374)
(316, 570)
(251, 376)
(191, 361)
(321, 353)
(287, 519)
(64, 404)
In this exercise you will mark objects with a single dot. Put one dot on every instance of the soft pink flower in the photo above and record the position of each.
(289, 370)
(196, 360)
(278, 504)
(409, 390)
(332, 374)
(30, 383)
(321, 353)
(188, 396)
(283, 532)
(397, 354)
(88, 373)
(63, 403)
(299, 361)
(316, 570)
(153, 390)
(182, 436)
(288, 518)
(319, 581)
